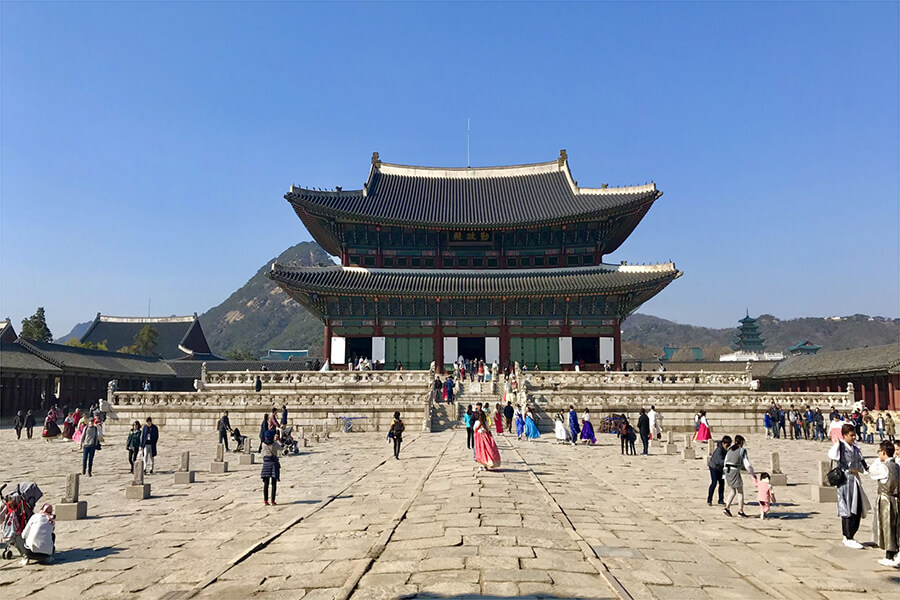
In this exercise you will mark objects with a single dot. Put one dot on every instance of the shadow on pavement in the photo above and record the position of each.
(77, 554)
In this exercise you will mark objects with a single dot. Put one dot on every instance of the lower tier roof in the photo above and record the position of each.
(449, 283)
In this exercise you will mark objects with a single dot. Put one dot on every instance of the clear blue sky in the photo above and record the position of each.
(146, 147)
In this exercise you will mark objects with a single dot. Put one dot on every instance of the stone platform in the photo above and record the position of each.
(351, 522)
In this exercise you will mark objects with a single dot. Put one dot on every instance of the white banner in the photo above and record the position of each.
(491, 350)
(607, 350)
(378, 349)
(565, 351)
(338, 350)
(450, 350)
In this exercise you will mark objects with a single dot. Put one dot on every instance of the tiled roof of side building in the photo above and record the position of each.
(84, 359)
(872, 359)
(603, 279)
(14, 358)
(472, 197)
(177, 336)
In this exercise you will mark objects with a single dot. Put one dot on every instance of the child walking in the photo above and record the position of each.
(765, 495)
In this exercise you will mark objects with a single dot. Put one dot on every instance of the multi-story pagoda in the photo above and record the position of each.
(747, 337)
(500, 263)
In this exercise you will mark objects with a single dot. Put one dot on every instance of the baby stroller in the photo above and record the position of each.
(288, 443)
(18, 507)
(239, 439)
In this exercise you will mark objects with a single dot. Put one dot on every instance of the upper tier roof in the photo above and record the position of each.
(482, 197)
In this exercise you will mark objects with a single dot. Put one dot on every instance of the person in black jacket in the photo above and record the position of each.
(717, 470)
(644, 429)
(508, 413)
(224, 429)
(18, 423)
(29, 423)
(149, 439)
(396, 433)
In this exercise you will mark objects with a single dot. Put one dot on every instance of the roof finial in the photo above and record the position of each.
(375, 160)
(563, 157)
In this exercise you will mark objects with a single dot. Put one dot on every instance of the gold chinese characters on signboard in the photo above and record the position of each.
(470, 237)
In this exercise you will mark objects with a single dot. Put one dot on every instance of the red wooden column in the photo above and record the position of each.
(875, 403)
(617, 345)
(862, 391)
(328, 342)
(892, 393)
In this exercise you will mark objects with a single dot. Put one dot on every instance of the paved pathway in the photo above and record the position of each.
(555, 521)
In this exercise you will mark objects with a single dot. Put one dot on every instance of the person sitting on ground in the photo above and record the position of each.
(38, 541)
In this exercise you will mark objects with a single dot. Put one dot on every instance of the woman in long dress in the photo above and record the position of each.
(703, 434)
(51, 429)
(851, 499)
(562, 434)
(79, 431)
(498, 419)
(486, 453)
(531, 430)
(520, 423)
(587, 429)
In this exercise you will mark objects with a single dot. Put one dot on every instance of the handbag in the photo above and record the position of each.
(836, 476)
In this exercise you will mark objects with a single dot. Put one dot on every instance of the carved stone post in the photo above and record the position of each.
(219, 465)
(776, 476)
(184, 475)
(137, 490)
(71, 508)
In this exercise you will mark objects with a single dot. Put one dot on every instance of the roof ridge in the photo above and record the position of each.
(173, 319)
(34, 350)
(621, 268)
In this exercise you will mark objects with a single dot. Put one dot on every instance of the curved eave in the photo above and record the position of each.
(452, 283)
(304, 203)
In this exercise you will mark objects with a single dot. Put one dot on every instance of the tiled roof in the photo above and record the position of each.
(472, 197)
(84, 359)
(873, 359)
(14, 357)
(7, 333)
(177, 335)
(303, 283)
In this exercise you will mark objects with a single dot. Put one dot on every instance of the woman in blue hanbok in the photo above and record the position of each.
(531, 430)
(573, 424)
(520, 423)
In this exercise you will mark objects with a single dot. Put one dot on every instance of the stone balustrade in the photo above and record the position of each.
(296, 380)
(675, 380)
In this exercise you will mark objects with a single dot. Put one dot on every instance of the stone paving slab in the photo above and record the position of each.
(555, 521)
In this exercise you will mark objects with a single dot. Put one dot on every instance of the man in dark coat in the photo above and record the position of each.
(149, 438)
(224, 429)
(508, 413)
(644, 429)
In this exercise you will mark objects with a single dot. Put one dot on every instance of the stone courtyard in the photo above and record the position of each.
(351, 522)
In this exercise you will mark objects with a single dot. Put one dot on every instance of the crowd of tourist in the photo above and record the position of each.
(807, 423)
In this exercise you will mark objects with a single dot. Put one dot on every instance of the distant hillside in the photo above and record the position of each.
(848, 332)
(260, 315)
(76, 333)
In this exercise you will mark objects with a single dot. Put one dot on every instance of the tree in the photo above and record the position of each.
(244, 355)
(89, 345)
(35, 328)
(145, 342)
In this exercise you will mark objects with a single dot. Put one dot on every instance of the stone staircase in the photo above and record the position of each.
(450, 416)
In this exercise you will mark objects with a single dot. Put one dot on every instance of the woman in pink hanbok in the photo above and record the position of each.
(79, 431)
(703, 434)
(486, 453)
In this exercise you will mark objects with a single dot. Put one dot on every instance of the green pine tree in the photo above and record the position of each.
(35, 328)
(145, 342)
